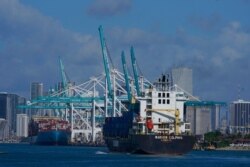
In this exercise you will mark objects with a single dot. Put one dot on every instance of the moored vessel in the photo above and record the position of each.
(49, 131)
(154, 124)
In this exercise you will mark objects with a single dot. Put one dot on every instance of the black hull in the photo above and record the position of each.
(152, 144)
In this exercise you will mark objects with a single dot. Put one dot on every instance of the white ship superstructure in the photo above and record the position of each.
(164, 107)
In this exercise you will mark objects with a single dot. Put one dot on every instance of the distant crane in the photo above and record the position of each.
(105, 61)
(135, 71)
(112, 88)
(65, 79)
(125, 71)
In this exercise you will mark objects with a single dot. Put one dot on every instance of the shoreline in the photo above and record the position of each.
(228, 148)
(236, 148)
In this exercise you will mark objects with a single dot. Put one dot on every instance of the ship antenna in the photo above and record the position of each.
(238, 91)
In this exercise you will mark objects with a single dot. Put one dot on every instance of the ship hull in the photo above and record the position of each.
(53, 137)
(152, 144)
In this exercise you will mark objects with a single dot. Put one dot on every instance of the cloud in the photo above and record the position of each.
(31, 44)
(233, 42)
(219, 62)
(107, 8)
(208, 23)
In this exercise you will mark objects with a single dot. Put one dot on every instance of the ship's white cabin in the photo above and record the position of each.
(161, 106)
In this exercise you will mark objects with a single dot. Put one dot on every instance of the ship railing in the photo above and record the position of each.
(163, 129)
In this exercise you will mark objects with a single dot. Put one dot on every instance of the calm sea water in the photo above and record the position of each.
(25, 155)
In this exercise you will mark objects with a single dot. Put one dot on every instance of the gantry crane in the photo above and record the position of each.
(135, 71)
(106, 61)
(125, 71)
(111, 74)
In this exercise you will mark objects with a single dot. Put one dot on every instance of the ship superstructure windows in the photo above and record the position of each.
(163, 98)
(159, 94)
(163, 94)
(168, 101)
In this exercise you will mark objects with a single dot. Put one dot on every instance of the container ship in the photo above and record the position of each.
(154, 123)
(49, 131)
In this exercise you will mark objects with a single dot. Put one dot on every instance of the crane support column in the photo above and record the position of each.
(93, 114)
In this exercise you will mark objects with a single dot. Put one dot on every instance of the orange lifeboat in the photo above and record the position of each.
(149, 124)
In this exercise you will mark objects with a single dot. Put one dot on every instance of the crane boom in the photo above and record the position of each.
(125, 71)
(105, 61)
(64, 77)
(135, 71)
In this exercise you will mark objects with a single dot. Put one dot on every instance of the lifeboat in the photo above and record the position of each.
(149, 124)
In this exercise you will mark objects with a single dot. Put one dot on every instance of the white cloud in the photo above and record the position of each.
(208, 23)
(218, 61)
(32, 43)
(105, 8)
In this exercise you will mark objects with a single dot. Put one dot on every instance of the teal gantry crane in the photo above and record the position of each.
(135, 71)
(106, 62)
(65, 80)
(125, 71)
(112, 88)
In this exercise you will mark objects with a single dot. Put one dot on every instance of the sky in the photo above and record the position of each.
(210, 36)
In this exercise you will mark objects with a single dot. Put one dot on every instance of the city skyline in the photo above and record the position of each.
(211, 37)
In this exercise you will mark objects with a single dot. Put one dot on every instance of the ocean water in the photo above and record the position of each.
(25, 155)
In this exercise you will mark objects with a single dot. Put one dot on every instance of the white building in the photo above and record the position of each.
(8, 109)
(36, 90)
(22, 125)
(204, 116)
(240, 117)
(183, 77)
(2, 128)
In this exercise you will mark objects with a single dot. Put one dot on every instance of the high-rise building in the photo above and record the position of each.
(2, 128)
(239, 117)
(9, 109)
(22, 125)
(183, 77)
(203, 116)
(36, 90)
(59, 88)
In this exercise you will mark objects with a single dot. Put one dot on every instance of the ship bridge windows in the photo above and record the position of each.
(159, 94)
(163, 101)
(163, 94)
(167, 94)
(163, 98)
